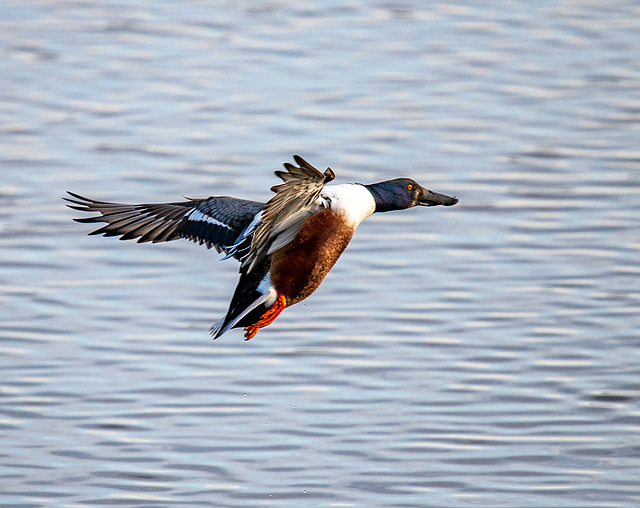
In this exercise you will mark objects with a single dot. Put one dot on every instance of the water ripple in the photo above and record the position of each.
(479, 355)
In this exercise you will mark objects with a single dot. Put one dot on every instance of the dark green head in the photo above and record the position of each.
(402, 193)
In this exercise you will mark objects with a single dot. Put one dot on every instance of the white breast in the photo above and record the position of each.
(351, 200)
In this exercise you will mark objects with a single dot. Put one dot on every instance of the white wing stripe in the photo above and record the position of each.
(197, 215)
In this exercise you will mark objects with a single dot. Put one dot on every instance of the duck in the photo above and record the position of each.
(285, 246)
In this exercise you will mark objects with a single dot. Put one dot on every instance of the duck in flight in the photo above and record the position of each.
(285, 246)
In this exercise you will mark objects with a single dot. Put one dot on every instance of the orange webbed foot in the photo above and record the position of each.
(267, 318)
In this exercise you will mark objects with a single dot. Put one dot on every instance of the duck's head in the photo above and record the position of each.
(402, 193)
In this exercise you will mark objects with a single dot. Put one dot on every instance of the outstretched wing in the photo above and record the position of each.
(296, 199)
(215, 221)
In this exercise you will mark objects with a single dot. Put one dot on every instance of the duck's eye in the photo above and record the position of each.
(410, 187)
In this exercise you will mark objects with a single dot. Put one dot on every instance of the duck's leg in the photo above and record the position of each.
(267, 318)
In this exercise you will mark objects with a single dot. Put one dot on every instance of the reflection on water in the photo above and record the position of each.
(483, 355)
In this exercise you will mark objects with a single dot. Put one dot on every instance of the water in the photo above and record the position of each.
(481, 355)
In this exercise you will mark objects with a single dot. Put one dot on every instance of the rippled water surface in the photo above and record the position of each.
(482, 355)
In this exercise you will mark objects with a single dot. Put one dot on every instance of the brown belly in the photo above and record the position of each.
(298, 268)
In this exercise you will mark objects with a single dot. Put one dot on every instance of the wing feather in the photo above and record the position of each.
(216, 221)
(295, 200)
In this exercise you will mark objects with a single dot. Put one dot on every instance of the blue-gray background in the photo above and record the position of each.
(480, 355)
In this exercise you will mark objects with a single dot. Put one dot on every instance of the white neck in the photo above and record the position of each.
(352, 200)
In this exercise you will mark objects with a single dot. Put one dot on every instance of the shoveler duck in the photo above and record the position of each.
(285, 247)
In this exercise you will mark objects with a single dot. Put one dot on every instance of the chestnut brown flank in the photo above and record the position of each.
(298, 268)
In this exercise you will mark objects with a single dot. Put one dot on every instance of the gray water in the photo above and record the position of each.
(486, 354)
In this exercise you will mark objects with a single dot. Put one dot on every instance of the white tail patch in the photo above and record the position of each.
(268, 296)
